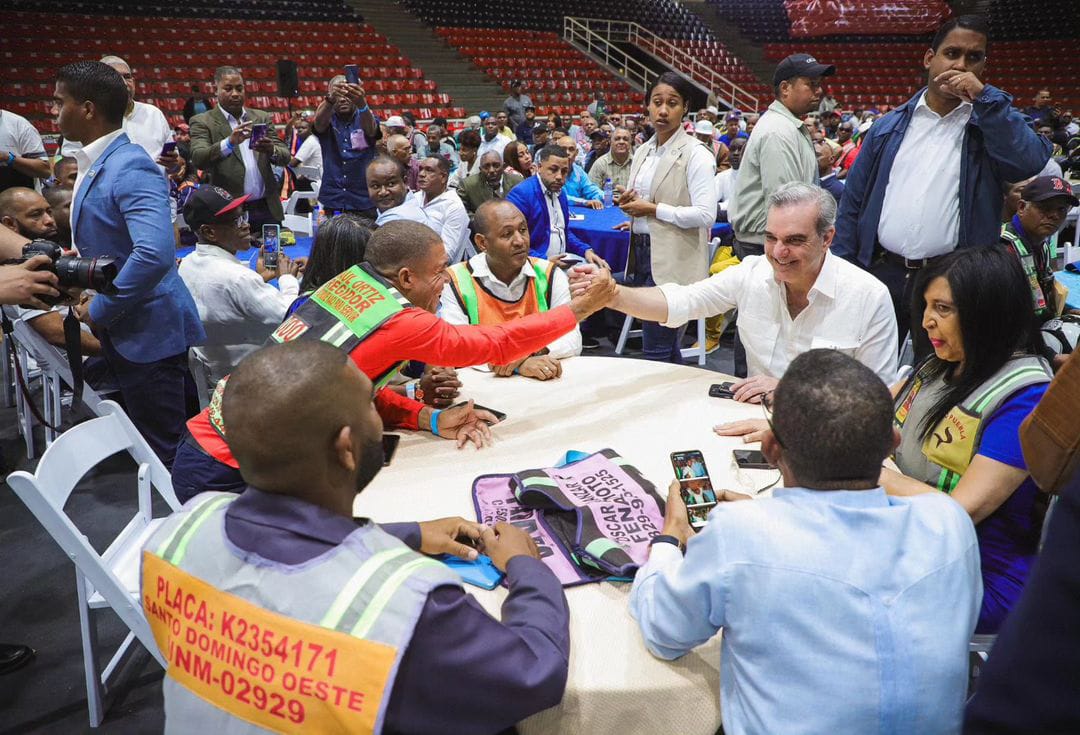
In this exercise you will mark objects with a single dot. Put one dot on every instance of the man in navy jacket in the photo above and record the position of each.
(541, 199)
(932, 174)
(121, 210)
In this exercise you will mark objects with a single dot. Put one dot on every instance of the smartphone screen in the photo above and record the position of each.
(352, 74)
(258, 132)
(751, 459)
(271, 245)
(168, 148)
(389, 446)
(694, 485)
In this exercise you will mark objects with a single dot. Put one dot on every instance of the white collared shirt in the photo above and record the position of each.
(409, 210)
(724, 181)
(85, 158)
(237, 308)
(448, 218)
(253, 181)
(557, 241)
(497, 145)
(849, 310)
(309, 154)
(567, 345)
(700, 168)
(920, 214)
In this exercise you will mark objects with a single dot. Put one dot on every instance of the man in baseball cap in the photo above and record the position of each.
(801, 65)
(1044, 203)
(236, 304)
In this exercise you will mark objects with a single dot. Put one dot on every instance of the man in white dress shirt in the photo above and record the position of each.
(796, 297)
(144, 124)
(502, 282)
(386, 187)
(490, 138)
(237, 306)
(443, 207)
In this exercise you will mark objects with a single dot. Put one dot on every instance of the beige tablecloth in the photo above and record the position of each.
(642, 410)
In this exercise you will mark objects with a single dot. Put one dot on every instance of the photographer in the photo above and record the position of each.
(121, 210)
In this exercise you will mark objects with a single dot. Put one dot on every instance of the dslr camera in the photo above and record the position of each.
(73, 271)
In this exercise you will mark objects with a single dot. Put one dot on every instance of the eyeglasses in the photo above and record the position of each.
(767, 407)
(237, 222)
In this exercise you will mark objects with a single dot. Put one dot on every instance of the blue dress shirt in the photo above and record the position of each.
(344, 181)
(842, 611)
(579, 189)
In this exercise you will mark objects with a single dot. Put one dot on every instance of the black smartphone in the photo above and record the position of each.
(695, 487)
(271, 235)
(751, 459)
(721, 390)
(169, 148)
(352, 74)
(389, 446)
(258, 132)
(498, 414)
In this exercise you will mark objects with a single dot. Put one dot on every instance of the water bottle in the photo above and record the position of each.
(609, 192)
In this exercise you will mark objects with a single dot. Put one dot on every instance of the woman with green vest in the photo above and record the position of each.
(958, 415)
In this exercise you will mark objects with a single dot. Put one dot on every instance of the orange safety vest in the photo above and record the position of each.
(481, 307)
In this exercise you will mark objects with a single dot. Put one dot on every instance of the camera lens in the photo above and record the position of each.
(92, 273)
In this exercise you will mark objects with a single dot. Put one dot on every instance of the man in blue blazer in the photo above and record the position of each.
(121, 209)
(542, 200)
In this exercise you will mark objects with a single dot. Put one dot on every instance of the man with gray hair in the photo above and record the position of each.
(347, 131)
(795, 297)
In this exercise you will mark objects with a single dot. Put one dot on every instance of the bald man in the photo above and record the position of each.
(502, 283)
(29, 214)
(579, 190)
(400, 149)
(144, 123)
(406, 270)
(425, 654)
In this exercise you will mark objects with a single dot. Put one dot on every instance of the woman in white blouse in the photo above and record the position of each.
(672, 200)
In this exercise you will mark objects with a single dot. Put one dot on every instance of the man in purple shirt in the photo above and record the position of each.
(461, 670)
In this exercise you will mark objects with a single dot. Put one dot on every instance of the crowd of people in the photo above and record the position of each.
(890, 273)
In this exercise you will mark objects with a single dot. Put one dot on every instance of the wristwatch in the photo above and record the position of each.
(664, 538)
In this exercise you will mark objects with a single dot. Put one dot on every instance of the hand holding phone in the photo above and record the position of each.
(695, 487)
(352, 74)
(721, 390)
(169, 148)
(258, 132)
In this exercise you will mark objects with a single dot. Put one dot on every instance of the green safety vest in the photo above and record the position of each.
(465, 288)
(1041, 296)
(944, 455)
(371, 587)
(345, 311)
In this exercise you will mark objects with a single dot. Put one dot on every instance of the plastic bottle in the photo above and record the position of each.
(609, 193)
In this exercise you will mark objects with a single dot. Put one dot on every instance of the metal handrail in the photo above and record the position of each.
(578, 34)
(612, 31)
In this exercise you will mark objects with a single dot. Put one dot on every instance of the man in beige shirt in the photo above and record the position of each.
(780, 150)
(615, 164)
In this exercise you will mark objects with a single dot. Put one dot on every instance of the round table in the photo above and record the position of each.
(644, 411)
(598, 231)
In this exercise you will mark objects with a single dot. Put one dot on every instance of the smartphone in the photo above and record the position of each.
(169, 148)
(721, 390)
(480, 573)
(258, 132)
(695, 487)
(271, 236)
(751, 459)
(498, 414)
(389, 446)
(352, 74)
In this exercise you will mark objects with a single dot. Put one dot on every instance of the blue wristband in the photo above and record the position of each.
(364, 109)
(435, 421)
(11, 159)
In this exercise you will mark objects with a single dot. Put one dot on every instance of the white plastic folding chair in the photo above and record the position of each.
(300, 224)
(109, 579)
(700, 352)
(55, 373)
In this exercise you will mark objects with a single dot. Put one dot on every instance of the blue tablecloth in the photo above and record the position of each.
(597, 231)
(1072, 282)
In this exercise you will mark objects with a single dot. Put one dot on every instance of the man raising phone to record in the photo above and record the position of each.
(382, 313)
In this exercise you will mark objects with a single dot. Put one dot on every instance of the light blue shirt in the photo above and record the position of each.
(579, 189)
(842, 611)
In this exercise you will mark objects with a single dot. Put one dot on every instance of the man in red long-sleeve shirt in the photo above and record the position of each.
(383, 314)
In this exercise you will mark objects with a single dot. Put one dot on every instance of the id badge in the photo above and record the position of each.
(358, 140)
